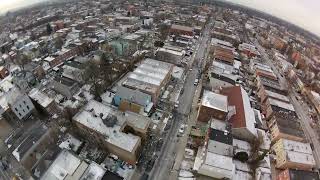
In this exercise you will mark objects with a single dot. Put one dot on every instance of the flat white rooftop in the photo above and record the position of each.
(215, 101)
(281, 104)
(277, 96)
(92, 117)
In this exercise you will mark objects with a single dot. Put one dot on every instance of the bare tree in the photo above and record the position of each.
(22, 60)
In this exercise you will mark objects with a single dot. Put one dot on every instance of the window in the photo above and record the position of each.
(28, 107)
(19, 114)
(16, 109)
(24, 102)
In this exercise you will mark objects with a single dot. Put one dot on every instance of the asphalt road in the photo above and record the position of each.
(166, 159)
(305, 120)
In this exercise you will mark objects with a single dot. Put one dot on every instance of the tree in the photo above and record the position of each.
(92, 75)
(68, 113)
(104, 57)
(158, 44)
(58, 43)
(49, 28)
(164, 31)
(22, 60)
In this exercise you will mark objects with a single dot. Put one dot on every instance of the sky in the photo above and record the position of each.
(6, 5)
(304, 13)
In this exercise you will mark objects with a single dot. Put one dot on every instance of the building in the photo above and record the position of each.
(224, 55)
(68, 166)
(34, 145)
(264, 84)
(293, 154)
(15, 105)
(293, 174)
(314, 98)
(65, 86)
(269, 94)
(120, 133)
(213, 106)
(149, 77)
(42, 102)
(132, 100)
(181, 30)
(170, 55)
(285, 125)
(249, 50)
(262, 70)
(243, 118)
(219, 138)
(216, 166)
(271, 105)
(3, 72)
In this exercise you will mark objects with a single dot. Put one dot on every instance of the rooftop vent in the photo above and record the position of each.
(110, 120)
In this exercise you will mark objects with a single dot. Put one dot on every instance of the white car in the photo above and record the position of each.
(176, 105)
(196, 82)
(181, 129)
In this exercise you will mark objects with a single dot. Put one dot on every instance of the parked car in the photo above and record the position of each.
(176, 105)
(196, 82)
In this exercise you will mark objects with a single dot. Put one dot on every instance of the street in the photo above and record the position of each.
(166, 159)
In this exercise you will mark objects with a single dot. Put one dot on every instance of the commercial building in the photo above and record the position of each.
(293, 174)
(170, 55)
(216, 166)
(213, 106)
(224, 55)
(269, 94)
(285, 125)
(219, 139)
(243, 118)
(118, 132)
(249, 50)
(271, 105)
(149, 77)
(181, 30)
(314, 98)
(270, 85)
(293, 154)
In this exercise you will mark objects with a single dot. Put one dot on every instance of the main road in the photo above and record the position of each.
(167, 156)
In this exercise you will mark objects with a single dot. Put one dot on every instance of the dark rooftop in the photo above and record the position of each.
(221, 136)
(299, 175)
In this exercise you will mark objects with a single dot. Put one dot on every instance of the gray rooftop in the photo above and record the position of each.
(215, 101)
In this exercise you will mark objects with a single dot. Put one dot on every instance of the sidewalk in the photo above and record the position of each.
(184, 139)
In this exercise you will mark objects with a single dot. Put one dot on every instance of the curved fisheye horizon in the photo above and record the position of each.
(301, 13)
(10, 5)
(159, 90)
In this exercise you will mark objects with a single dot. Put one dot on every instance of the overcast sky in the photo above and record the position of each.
(6, 5)
(304, 13)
